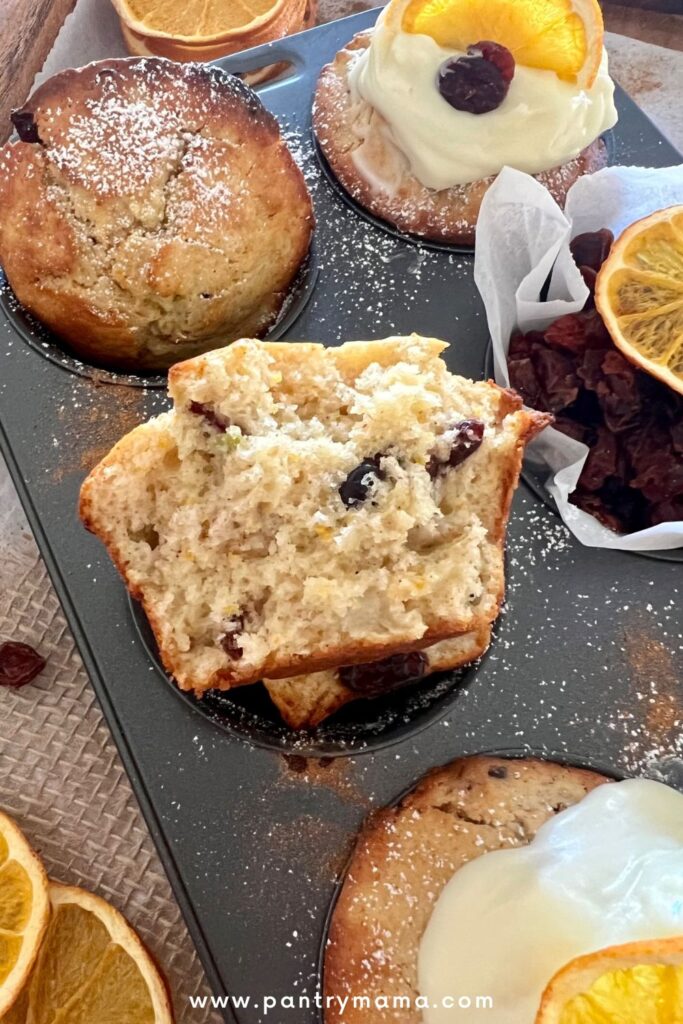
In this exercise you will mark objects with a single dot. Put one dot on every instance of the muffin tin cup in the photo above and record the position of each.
(508, 753)
(378, 222)
(361, 727)
(50, 347)
(390, 229)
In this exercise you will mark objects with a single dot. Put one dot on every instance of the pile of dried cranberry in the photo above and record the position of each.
(633, 424)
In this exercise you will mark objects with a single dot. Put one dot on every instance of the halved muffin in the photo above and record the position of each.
(304, 507)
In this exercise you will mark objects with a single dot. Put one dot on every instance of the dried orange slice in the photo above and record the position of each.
(564, 36)
(24, 910)
(92, 967)
(639, 294)
(639, 982)
(197, 21)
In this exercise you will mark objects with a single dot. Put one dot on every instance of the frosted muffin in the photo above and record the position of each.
(418, 116)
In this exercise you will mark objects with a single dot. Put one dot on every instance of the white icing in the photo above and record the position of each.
(542, 122)
(605, 872)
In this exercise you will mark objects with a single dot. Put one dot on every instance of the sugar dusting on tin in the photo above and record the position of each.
(368, 276)
(365, 273)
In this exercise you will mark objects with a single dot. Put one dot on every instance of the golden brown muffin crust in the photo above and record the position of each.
(159, 214)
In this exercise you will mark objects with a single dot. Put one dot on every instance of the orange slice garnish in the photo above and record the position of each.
(197, 21)
(639, 295)
(640, 982)
(564, 36)
(24, 910)
(92, 967)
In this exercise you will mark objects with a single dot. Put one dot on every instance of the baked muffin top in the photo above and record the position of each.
(119, 127)
(152, 212)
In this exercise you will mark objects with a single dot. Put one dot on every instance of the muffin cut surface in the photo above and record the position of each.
(305, 507)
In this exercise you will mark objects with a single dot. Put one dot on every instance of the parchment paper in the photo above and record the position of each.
(523, 236)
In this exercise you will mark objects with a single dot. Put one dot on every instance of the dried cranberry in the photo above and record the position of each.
(602, 461)
(567, 333)
(632, 424)
(596, 332)
(569, 426)
(520, 345)
(25, 125)
(589, 278)
(618, 392)
(383, 676)
(215, 419)
(589, 369)
(19, 664)
(560, 382)
(228, 640)
(662, 478)
(479, 81)
(360, 480)
(497, 54)
(462, 440)
(655, 468)
(591, 249)
(524, 379)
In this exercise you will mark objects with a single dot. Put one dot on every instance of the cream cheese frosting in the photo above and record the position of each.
(604, 872)
(543, 121)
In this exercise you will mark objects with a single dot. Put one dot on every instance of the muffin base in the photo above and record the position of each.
(343, 124)
(407, 854)
(306, 701)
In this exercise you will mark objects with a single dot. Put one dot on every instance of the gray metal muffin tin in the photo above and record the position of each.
(254, 825)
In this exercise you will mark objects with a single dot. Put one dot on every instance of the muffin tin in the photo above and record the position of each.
(254, 823)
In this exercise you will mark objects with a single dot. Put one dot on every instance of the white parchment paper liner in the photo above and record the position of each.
(523, 235)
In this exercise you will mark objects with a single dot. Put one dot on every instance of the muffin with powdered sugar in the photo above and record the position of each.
(150, 211)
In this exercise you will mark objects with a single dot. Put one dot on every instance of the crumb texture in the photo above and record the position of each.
(360, 149)
(305, 507)
(408, 853)
(157, 213)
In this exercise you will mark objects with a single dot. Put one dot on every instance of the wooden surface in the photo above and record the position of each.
(28, 29)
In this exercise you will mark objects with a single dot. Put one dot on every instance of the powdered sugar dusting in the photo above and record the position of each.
(176, 216)
(118, 146)
(132, 126)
